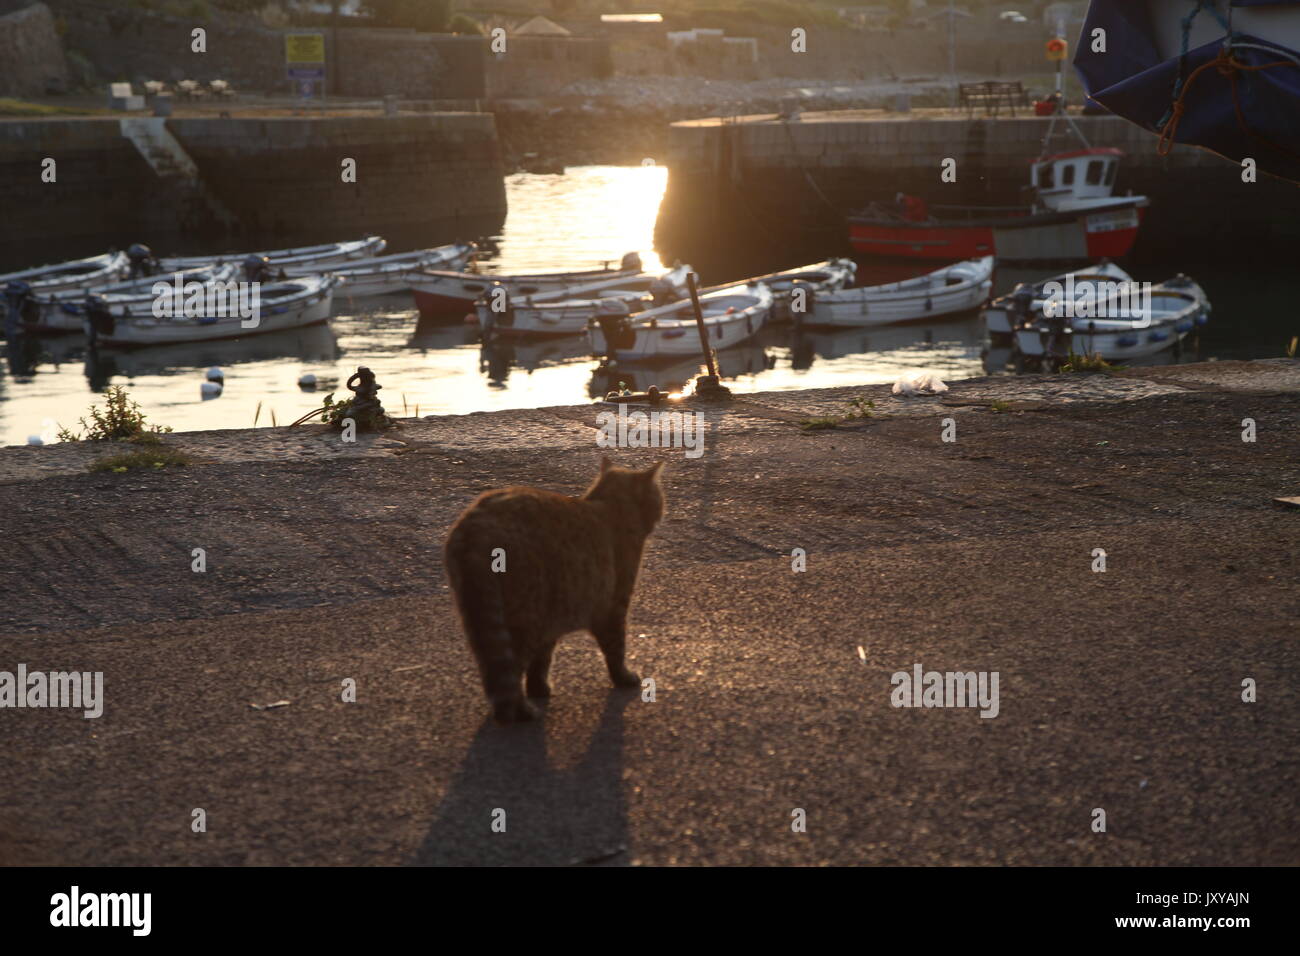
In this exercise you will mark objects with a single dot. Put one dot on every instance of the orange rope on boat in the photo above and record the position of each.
(1229, 66)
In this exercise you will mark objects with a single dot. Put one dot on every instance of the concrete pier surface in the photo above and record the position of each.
(1120, 690)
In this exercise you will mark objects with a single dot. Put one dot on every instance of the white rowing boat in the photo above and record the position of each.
(63, 311)
(732, 314)
(77, 274)
(830, 275)
(386, 275)
(956, 288)
(569, 311)
(1172, 312)
(1005, 313)
(328, 254)
(442, 292)
(291, 304)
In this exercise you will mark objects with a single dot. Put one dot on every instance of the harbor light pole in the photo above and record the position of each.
(952, 50)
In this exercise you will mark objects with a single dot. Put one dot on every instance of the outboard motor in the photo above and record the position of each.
(662, 291)
(631, 261)
(1059, 337)
(496, 318)
(143, 263)
(1022, 299)
(612, 318)
(20, 308)
(257, 268)
(97, 319)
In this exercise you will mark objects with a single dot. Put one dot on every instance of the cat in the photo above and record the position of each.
(528, 566)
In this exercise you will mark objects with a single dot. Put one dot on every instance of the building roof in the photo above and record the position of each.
(541, 27)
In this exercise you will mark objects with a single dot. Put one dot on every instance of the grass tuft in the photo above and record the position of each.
(147, 459)
(818, 424)
(1088, 363)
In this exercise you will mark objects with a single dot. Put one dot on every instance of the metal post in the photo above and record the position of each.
(706, 386)
(699, 324)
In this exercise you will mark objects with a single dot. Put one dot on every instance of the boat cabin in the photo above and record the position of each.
(1065, 178)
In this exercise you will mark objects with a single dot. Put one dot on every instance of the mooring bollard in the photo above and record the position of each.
(365, 408)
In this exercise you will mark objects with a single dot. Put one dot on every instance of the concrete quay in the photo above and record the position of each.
(1120, 690)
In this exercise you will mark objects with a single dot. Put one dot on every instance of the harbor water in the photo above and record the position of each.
(577, 220)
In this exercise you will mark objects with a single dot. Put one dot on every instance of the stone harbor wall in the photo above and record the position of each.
(425, 66)
(432, 178)
(125, 43)
(31, 56)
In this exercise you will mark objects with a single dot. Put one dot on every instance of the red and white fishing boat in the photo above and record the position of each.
(1073, 217)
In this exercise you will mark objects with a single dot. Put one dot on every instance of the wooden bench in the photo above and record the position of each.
(992, 95)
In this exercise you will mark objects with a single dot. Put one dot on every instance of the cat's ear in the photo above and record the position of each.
(653, 471)
(605, 464)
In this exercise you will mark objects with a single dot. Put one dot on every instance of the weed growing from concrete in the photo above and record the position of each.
(145, 459)
(1088, 363)
(859, 408)
(120, 420)
(818, 424)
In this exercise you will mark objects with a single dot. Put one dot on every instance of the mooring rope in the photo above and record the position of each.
(1227, 65)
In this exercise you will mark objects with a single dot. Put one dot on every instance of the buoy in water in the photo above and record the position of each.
(210, 390)
(307, 381)
(216, 375)
(35, 440)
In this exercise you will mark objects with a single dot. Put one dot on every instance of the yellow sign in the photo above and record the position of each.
(304, 48)
(1057, 48)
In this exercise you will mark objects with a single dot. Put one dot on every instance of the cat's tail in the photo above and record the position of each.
(482, 609)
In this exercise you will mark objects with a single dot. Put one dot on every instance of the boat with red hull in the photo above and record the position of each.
(1073, 216)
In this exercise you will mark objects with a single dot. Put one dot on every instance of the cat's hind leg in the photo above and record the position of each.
(502, 677)
(612, 637)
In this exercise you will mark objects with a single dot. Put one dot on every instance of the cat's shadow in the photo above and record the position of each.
(551, 815)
